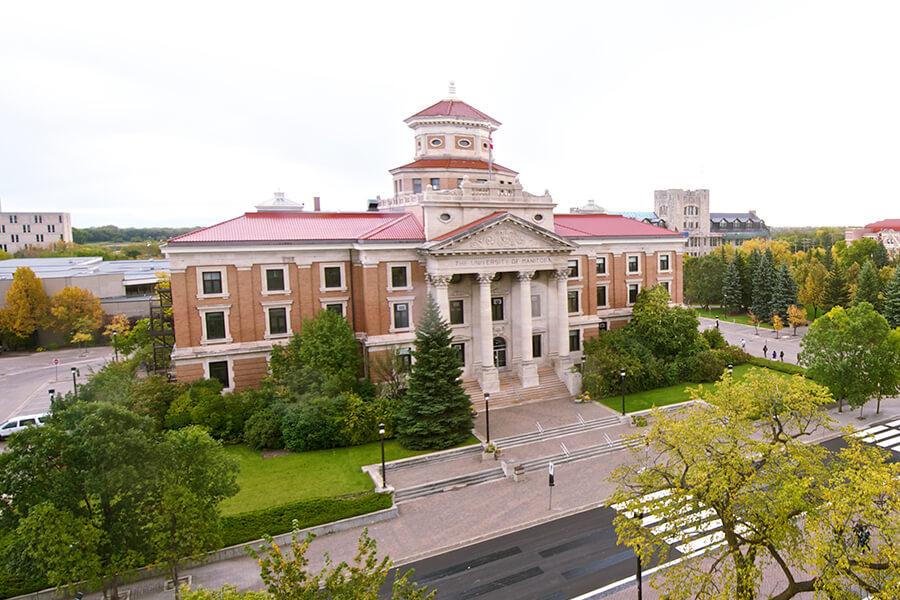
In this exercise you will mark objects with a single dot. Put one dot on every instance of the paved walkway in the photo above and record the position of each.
(526, 417)
(735, 332)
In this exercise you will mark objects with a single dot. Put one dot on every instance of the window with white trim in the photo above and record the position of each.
(336, 307)
(215, 325)
(212, 283)
(573, 269)
(333, 277)
(457, 312)
(219, 370)
(460, 349)
(278, 320)
(573, 304)
(536, 350)
(574, 340)
(399, 276)
(275, 279)
(634, 289)
(400, 318)
(666, 286)
(497, 308)
(535, 305)
(665, 262)
(634, 263)
(601, 265)
(602, 300)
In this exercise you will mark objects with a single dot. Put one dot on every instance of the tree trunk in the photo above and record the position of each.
(840, 405)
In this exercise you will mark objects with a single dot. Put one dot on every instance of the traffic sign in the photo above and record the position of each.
(55, 361)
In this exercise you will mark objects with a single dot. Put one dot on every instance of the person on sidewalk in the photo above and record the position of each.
(774, 356)
(717, 324)
(765, 350)
(781, 355)
(743, 344)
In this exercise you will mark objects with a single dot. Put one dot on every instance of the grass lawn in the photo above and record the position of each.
(718, 313)
(267, 482)
(666, 395)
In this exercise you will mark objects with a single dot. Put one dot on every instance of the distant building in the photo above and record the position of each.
(687, 211)
(887, 231)
(123, 286)
(23, 230)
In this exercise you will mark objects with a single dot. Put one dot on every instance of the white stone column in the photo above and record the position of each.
(490, 380)
(439, 287)
(562, 313)
(528, 372)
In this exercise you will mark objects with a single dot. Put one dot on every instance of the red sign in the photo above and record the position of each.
(55, 361)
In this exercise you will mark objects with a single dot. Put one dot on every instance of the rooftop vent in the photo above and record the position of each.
(279, 203)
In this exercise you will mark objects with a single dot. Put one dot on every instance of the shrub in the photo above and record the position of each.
(314, 424)
(732, 355)
(703, 367)
(248, 526)
(225, 415)
(263, 430)
(359, 424)
(777, 366)
(714, 338)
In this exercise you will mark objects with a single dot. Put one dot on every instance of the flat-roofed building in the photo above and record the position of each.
(23, 230)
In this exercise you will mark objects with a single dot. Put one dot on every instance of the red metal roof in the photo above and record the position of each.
(308, 226)
(454, 163)
(884, 224)
(603, 225)
(454, 108)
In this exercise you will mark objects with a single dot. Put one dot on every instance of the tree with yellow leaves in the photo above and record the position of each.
(777, 324)
(75, 311)
(796, 317)
(27, 307)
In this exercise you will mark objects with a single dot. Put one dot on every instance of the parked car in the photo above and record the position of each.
(21, 422)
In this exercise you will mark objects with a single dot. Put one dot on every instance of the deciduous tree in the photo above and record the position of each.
(742, 461)
(75, 310)
(777, 325)
(812, 290)
(27, 307)
(435, 413)
(796, 317)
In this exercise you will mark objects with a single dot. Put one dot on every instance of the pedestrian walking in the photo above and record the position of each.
(717, 323)
(743, 344)
(781, 355)
(765, 350)
(774, 356)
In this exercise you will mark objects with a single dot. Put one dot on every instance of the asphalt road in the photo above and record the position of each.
(552, 561)
(556, 560)
(26, 378)
(754, 343)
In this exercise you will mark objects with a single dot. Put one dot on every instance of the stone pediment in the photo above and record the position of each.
(504, 234)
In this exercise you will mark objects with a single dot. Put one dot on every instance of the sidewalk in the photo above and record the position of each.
(735, 332)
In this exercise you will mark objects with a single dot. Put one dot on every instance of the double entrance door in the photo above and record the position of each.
(500, 352)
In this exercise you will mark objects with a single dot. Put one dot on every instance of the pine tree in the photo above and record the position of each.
(868, 285)
(435, 413)
(783, 293)
(764, 287)
(837, 292)
(732, 294)
(892, 300)
(747, 277)
(880, 256)
(790, 285)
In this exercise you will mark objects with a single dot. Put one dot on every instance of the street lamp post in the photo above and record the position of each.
(52, 393)
(622, 380)
(638, 576)
(74, 380)
(381, 435)
(115, 346)
(487, 416)
(731, 369)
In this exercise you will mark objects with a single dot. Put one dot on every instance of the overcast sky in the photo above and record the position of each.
(186, 113)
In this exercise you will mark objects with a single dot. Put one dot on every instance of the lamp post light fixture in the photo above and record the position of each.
(115, 346)
(731, 369)
(637, 575)
(487, 416)
(52, 393)
(622, 380)
(381, 435)
(74, 380)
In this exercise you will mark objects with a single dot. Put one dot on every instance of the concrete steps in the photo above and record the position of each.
(556, 432)
(433, 458)
(444, 485)
(512, 393)
(582, 454)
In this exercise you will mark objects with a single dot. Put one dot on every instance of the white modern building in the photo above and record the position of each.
(23, 230)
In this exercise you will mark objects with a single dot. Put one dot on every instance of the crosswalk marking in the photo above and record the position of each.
(885, 436)
(690, 527)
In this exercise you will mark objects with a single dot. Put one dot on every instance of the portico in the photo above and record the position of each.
(513, 275)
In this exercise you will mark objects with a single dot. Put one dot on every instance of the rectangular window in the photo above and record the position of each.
(460, 349)
(336, 307)
(604, 326)
(405, 357)
(215, 325)
(574, 340)
(497, 309)
(212, 282)
(219, 370)
(401, 315)
(634, 265)
(601, 296)
(435, 183)
(417, 186)
(278, 320)
(457, 317)
(573, 269)
(275, 280)
(333, 277)
(573, 302)
(633, 290)
(536, 305)
(536, 346)
(399, 277)
(601, 265)
(663, 262)
(665, 285)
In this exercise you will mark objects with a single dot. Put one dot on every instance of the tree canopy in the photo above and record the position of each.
(27, 306)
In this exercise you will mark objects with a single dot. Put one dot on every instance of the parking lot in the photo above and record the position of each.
(27, 378)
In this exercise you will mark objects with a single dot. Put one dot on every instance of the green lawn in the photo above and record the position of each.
(666, 395)
(718, 313)
(267, 482)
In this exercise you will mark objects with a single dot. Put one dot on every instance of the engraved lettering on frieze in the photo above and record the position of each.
(510, 261)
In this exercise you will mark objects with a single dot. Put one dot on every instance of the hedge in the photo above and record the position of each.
(777, 366)
(249, 526)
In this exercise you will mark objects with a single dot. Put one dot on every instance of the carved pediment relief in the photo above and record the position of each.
(506, 236)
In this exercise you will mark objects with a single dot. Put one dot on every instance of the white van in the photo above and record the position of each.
(21, 422)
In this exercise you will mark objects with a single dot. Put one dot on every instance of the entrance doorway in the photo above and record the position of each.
(499, 352)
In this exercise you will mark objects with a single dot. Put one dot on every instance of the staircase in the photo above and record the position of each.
(445, 485)
(513, 394)
(556, 432)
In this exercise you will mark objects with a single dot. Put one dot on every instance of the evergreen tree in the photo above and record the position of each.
(764, 282)
(784, 293)
(880, 256)
(892, 300)
(790, 284)
(435, 413)
(732, 294)
(837, 292)
(868, 286)
(748, 276)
